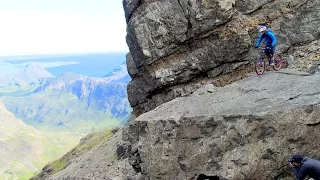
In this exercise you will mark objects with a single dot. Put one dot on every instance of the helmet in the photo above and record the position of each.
(262, 28)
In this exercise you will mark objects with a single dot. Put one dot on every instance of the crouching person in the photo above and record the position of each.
(303, 166)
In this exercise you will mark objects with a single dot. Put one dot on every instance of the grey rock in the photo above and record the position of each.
(208, 88)
(131, 66)
(177, 45)
(100, 162)
(306, 57)
(248, 7)
(198, 110)
(245, 130)
(130, 6)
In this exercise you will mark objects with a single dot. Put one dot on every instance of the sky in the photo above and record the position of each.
(61, 26)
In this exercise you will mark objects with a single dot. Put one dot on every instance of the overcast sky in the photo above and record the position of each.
(61, 26)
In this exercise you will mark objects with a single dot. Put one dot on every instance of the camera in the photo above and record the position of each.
(290, 160)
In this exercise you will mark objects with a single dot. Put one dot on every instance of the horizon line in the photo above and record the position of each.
(60, 54)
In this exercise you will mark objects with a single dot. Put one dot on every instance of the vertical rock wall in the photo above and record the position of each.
(178, 45)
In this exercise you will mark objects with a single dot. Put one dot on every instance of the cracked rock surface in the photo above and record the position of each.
(245, 130)
(255, 94)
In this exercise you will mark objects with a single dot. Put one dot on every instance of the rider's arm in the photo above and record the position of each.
(274, 39)
(300, 172)
(259, 40)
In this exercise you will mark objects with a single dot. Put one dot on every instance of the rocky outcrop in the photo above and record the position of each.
(245, 130)
(94, 158)
(198, 111)
(178, 45)
(306, 58)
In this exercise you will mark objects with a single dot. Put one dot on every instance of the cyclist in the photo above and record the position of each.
(303, 166)
(270, 39)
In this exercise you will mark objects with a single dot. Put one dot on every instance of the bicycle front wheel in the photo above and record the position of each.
(260, 66)
(278, 62)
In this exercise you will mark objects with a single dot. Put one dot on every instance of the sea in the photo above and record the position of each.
(89, 64)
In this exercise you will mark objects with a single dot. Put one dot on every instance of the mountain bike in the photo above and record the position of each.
(260, 64)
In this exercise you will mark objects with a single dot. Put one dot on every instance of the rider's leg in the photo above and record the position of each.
(271, 57)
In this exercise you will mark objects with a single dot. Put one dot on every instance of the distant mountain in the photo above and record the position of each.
(31, 72)
(73, 102)
(24, 81)
(24, 150)
(119, 74)
(70, 104)
(108, 93)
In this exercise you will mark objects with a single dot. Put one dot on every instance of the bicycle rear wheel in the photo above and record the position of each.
(260, 66)
(278, 62)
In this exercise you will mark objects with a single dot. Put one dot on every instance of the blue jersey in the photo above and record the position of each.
(269, 37)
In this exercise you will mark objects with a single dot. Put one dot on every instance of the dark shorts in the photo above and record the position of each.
(269, 51)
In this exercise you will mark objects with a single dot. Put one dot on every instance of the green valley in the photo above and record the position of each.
(25, 150)
(42, 117)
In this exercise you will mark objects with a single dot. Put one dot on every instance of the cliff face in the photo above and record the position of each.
(178, 45)
(199, 112)
(244, 131)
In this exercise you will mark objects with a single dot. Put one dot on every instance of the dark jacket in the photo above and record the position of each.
(309, 167)
(269, 37)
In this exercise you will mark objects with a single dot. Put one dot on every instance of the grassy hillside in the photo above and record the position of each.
(25, 150)
(42, 117)
(93, 141)
(66, 113)
(19, 89)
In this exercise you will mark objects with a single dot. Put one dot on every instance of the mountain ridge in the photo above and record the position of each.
(31, 75)
(71, 100)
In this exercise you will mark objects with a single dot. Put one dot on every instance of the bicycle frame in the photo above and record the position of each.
(261, 61)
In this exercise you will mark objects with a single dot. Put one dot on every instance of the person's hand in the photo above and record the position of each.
(290, 164)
